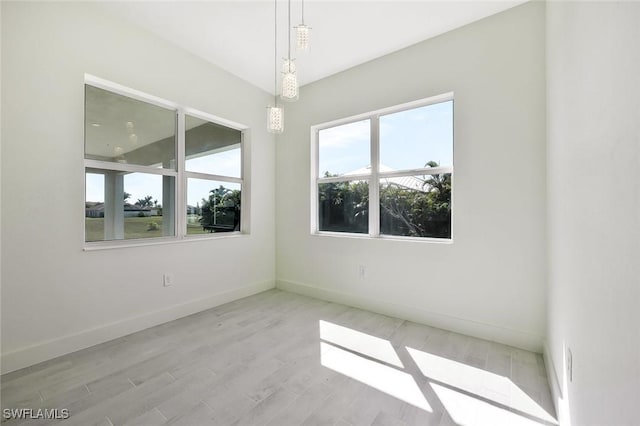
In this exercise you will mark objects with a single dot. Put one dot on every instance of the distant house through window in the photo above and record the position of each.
(156, 170)
(386, 173)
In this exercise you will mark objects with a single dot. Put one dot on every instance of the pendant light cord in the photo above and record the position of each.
(289, 36)
(302, 12)
(275, 53)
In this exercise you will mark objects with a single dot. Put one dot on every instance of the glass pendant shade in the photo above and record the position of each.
(302, 37)
(289, 87)
(275, 119)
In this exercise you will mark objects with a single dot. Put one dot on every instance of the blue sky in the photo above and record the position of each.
(408, 140)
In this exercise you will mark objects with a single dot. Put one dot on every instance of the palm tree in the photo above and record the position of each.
(439, 184)
(145, 202)
(221, 201)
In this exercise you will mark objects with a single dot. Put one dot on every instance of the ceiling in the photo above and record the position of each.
(238, 35)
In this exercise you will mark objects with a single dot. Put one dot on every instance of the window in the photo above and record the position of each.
(386, 173)
(145, 178)
(213, 164)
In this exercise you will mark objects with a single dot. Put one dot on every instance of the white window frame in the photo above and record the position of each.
(374, 177)
(180, 174)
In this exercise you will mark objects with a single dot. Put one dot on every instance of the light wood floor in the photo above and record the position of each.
(280, 359)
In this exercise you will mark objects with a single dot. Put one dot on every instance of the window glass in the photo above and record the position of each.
(132, 175)
(417, 138)
(344, 206)
(212, 148)
(412, 201)
(213, 206)
(122, 205)
(345, 150)
(416, 206)
(128, 131)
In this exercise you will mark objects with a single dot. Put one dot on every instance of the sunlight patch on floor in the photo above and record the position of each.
(485, 384)
(470, 395)
(467, 410)
(357, 341)
(379, 376)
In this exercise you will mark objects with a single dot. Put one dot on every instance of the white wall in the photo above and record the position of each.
(491, 281)
(0, 195)
(594, 209)
(55, 297)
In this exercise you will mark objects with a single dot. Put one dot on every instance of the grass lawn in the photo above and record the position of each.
(134, 227)
(193, 228)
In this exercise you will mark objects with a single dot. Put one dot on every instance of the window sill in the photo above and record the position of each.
(446, 241)
(117, 244)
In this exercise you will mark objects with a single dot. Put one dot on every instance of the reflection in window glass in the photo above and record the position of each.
(123, 205)
(344, 150)
(128, 131)
(212, 148)
(416, 206)
(344, 207)
(416, 138)
(213, 206)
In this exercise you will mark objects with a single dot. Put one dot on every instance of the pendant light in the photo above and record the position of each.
(275, 114)
(302, 34)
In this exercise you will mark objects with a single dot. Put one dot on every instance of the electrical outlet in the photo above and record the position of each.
(362, 272)
(569, 365)
(167, 280)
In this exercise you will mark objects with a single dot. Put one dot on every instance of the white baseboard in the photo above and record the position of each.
(552, 377)
(519, 339)
(44, 351)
